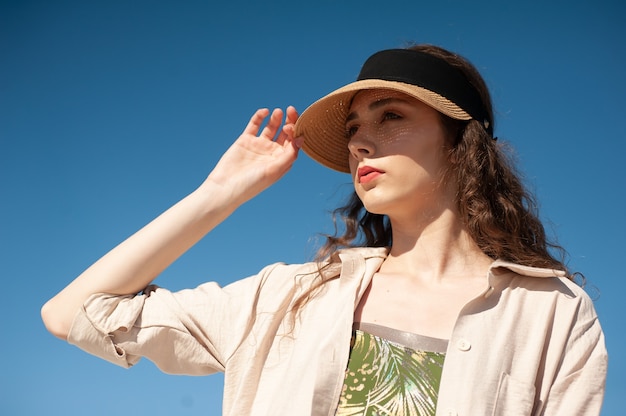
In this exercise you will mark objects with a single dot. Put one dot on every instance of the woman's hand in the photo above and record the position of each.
(258, 158)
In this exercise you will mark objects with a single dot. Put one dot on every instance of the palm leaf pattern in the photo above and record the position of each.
(385, 378)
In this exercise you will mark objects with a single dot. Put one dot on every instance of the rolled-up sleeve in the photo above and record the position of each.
(193, 331)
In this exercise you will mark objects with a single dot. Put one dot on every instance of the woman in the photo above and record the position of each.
(441, 295)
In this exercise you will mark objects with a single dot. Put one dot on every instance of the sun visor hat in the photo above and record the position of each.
(425, 77)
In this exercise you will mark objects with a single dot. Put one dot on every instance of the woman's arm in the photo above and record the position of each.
(579, 385)
(255, 161)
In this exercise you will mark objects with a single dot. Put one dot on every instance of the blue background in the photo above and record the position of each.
(112, 111)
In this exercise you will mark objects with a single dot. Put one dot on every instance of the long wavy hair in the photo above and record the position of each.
(499, 213)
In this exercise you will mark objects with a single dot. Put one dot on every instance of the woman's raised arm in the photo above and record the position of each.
(255, 161)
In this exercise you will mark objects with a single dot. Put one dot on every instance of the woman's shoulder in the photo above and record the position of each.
(358, 254)
(538, 282)
(335, 260)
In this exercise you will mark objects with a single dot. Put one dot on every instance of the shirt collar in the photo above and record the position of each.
(500, 267)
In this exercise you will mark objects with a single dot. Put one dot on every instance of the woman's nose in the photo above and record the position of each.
(361, 147)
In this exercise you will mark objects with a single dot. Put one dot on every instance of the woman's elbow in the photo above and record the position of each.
(53, 320)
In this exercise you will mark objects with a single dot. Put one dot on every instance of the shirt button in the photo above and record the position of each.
(463, 345)
(451, 412)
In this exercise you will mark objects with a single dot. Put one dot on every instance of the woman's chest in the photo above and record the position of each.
(430, 310)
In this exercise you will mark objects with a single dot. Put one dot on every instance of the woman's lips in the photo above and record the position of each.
(367, 174)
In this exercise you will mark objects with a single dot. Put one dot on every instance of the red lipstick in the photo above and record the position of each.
(367, 174)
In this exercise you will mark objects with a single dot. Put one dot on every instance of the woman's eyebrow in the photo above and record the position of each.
(380, 103)
(376, 104)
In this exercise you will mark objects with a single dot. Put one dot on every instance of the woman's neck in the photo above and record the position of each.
(435, 249)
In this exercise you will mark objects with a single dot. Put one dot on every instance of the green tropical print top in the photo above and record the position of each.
(391, 372)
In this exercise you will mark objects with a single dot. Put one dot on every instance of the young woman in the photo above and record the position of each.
(441, 297)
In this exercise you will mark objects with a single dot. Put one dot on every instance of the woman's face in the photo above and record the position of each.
(397, 153)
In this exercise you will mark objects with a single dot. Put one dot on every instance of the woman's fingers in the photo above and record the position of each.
(273, 128)
(292, 115)
(255, 121)
(288, 129)
(273, 125)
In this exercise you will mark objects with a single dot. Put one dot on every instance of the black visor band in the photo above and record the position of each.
(429, 72)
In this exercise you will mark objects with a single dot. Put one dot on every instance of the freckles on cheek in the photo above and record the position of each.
(395, 135)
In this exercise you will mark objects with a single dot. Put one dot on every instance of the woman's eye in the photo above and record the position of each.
(389, 115)
(351, 131)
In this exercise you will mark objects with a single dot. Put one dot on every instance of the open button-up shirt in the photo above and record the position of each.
(531, 344)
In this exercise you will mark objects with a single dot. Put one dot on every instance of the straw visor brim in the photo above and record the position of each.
(323, 123)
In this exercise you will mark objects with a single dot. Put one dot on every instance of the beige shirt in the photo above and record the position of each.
(531, 344)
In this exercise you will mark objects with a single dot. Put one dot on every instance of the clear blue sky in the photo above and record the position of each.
(111, 111)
